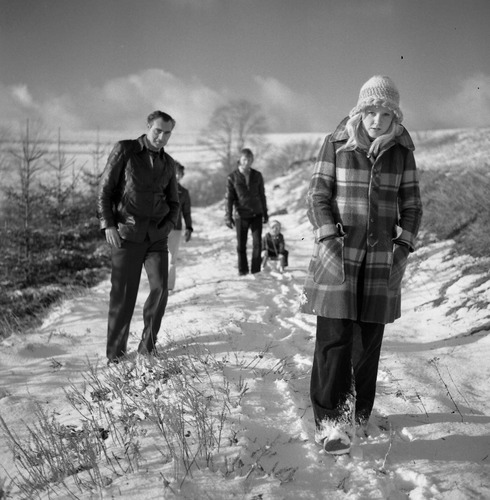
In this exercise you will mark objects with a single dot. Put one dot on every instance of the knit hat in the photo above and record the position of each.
(274, 223)
(379, 91)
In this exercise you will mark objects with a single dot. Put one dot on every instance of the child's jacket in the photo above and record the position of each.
(273, 244)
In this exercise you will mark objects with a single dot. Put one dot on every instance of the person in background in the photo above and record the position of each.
(365, 208)
(175, 236)
(246, 209)
(274, 247)
(138, 206)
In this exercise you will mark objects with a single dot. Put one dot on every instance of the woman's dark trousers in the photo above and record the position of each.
(344, 349)
(127, 264)
(242, 227)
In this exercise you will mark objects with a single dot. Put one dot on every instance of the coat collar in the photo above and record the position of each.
(252, 172)
(403, 139)
(142, 145)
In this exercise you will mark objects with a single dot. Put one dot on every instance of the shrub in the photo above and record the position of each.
(456, 207)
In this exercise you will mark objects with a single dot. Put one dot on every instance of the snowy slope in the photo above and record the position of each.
(432, 412)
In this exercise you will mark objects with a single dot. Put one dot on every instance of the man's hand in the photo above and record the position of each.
(187, 235)
(167, 228)
(230, 223)
(112, 237)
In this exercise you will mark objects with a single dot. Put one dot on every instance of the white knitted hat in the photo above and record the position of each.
(379, 91)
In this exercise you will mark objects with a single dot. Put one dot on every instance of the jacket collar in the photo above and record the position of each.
(403, 139)
(142, 145)
(252, 170)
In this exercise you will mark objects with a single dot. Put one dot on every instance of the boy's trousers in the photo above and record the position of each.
(242, 227)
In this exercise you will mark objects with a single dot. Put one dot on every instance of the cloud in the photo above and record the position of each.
(119, 104)
(15, 102)
(22, 95)
(469, 106)
(286, 110)
(123, 103)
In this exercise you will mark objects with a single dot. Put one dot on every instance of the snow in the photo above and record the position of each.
(430, 432)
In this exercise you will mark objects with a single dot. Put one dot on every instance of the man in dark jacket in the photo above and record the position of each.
(246, 208)
(137, 207)
(175, 236)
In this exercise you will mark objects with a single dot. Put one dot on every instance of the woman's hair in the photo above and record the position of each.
(359, 138)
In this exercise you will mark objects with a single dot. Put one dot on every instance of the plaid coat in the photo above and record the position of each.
(361, 211)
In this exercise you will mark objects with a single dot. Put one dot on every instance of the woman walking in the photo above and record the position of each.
(365, 207)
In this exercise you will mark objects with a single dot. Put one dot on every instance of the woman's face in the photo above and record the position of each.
(377, 120)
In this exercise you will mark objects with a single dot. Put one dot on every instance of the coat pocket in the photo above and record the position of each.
(398, 267)
(329, 264)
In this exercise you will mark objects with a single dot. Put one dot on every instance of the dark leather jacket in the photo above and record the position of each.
(135, 196)
(245, 201)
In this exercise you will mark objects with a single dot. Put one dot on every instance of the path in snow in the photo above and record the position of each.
(436, 438)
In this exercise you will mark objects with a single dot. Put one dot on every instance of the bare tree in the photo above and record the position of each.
(25, 198)
(92, 177)
(232, 126)
(60, 194)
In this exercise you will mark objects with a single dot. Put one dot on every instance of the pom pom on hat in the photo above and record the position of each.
(379, 91)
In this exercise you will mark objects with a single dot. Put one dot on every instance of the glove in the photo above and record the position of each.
(265, 219)
(187, 235)
(230, 223)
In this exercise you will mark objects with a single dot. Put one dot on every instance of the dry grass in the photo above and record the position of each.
(180, 408)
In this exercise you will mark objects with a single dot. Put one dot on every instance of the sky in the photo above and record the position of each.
(106, 64)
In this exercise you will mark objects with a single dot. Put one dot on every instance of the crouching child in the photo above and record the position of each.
(274, 247)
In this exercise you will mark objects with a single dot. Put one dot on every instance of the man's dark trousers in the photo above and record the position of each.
(242, 227)
(127, 264)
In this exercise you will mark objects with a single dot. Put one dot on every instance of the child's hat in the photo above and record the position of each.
(274, 223)
(379, 91)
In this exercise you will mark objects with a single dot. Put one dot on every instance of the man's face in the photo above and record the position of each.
(159, 133)
(245, 162)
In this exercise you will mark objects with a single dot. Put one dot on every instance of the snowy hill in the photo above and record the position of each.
(432, 411)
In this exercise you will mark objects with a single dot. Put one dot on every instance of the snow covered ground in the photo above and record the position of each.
(432, 410)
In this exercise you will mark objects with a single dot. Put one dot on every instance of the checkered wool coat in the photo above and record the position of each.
(361, 210)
